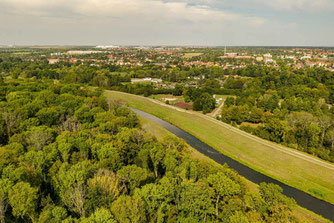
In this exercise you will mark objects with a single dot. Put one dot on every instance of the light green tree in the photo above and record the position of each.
(129, 209)
(23, 200)
(133, 176)
(101, 215)
(5, 186)
(223, 186)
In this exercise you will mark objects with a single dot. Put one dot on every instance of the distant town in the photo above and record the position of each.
(86, 131)
(231, 57)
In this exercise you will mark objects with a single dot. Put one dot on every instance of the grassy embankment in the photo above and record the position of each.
(149, 126)
(297, 172)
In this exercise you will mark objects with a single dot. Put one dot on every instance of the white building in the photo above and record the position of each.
(106, 47)
(82, 52)
(268, 55)
(55, 54)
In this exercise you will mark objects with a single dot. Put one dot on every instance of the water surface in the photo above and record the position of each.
(303, 199)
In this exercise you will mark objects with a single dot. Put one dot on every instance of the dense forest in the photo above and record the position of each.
(290, 106)
(294, 108)
(69, 154)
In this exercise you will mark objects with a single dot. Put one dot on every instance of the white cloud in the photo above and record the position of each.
(127, 9)
(298, 5)
(203, 22)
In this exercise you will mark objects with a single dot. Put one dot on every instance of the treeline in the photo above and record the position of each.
(294, 108)
(201, 98)
(113, 77)
(103, 76)
(69, 154)
(264, 95)
(82, 71)
(289, 82)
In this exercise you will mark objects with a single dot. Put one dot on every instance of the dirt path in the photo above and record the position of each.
(216, 112)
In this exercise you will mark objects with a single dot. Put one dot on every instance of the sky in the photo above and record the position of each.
(167, 22)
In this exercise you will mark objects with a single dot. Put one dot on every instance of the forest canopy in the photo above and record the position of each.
(68, 154)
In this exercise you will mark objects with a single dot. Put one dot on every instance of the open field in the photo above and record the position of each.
(149, 126)
(292, 167)
(170, 97)
(190, 55)
(218, 96)
(123, 74)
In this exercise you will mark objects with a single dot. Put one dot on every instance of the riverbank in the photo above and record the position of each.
(302, 214)
(297, 172)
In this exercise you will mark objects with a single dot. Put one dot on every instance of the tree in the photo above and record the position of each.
(129, 209)
(238, 217)
(101, 215)
(279, 206)
(47, 97)
(229, 101)
(197, 105)
(133, 176)
(205, 102)
(128, 144)
(3, 131)
(177, 91)
(276, 128)
(104, 188)
(305, 127)
(70, 182)
(40, 136)
(325, 122)
(49, 116)
(208, 102)
(84, 114)
(157, 154)
(156, 198)
(52, 213)
(76, 198)
(12, 120)
(23, 200)
(223, 186)
(5, 186)
(330, 138)
(196, 200)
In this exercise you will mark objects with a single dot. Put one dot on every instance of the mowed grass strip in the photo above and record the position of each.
(302, 214)
(299, 173)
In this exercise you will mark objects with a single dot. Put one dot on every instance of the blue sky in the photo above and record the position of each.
(167, 22)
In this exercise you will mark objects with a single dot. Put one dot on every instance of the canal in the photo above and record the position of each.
(305, 200)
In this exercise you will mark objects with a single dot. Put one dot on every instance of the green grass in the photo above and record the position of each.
(151, 127)
(223, 96)
(122, 74)
(304, 175)
(302, 214)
